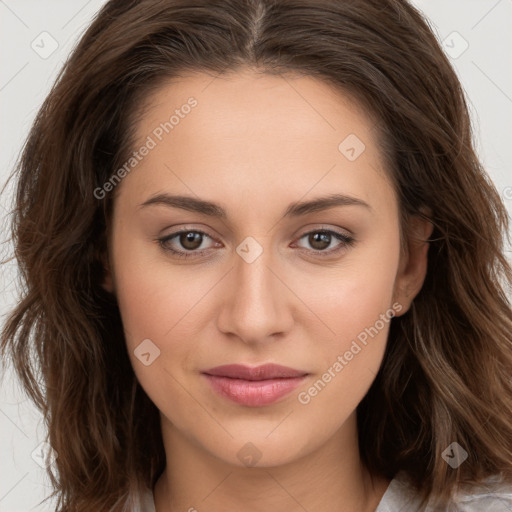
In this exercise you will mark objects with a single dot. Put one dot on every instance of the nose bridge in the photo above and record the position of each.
(256, 307)
(254, 282)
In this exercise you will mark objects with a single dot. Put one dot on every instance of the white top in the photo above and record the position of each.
(492, 496)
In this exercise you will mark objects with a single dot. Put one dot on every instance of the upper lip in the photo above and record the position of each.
(263, 372)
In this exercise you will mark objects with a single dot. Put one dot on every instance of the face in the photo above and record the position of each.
(258, 278)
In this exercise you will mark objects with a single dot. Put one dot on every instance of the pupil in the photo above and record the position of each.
(190, 240)
(319, 237)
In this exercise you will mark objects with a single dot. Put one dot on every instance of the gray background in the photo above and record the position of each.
(480, 51)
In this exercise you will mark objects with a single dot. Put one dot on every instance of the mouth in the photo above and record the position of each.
(254, 386)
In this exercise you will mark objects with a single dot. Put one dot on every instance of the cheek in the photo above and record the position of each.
(359, 306)
(355, 303)
(350, 298)
(152, 293)
(159, 303)
(347, 363)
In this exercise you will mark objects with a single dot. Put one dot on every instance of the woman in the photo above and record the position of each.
(264, 267)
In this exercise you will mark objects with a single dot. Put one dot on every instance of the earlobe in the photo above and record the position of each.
(413, 263)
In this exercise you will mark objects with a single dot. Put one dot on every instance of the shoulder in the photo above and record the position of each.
(492, 495)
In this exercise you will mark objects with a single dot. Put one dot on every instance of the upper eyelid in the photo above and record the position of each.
(312, 226)
(169, 236)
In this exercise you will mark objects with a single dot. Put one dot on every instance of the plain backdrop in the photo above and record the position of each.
(36, 37)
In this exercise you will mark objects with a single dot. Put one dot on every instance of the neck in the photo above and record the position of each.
(330, 478)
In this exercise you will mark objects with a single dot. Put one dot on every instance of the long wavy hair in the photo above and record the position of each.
(446, 372)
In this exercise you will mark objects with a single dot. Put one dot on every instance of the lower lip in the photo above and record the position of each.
(254, 393)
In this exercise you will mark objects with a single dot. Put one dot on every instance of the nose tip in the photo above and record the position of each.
(256, 306)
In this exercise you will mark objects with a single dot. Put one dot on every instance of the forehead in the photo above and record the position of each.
(255, 108)
(255, 136)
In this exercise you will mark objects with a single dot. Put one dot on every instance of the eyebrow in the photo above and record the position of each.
(295, 209)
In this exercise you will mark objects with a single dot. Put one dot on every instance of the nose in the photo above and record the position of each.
(258, 305)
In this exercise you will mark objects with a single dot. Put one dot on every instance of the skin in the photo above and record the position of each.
(254, 144)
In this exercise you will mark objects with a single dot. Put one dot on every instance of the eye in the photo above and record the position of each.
(189, 240)
(321, 239)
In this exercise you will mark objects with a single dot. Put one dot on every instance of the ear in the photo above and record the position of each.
(412, 268)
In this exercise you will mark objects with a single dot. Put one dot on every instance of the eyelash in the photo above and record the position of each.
(347, 241)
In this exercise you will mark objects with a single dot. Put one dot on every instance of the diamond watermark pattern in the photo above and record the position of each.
(249, 455)
(44, 45)
(352, 147)
(249, 250)
(455, 455)
(146, 352)
(455, 45)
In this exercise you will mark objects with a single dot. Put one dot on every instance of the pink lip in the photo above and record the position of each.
(254, 386)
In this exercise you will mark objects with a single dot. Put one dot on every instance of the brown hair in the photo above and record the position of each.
(446, 372)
